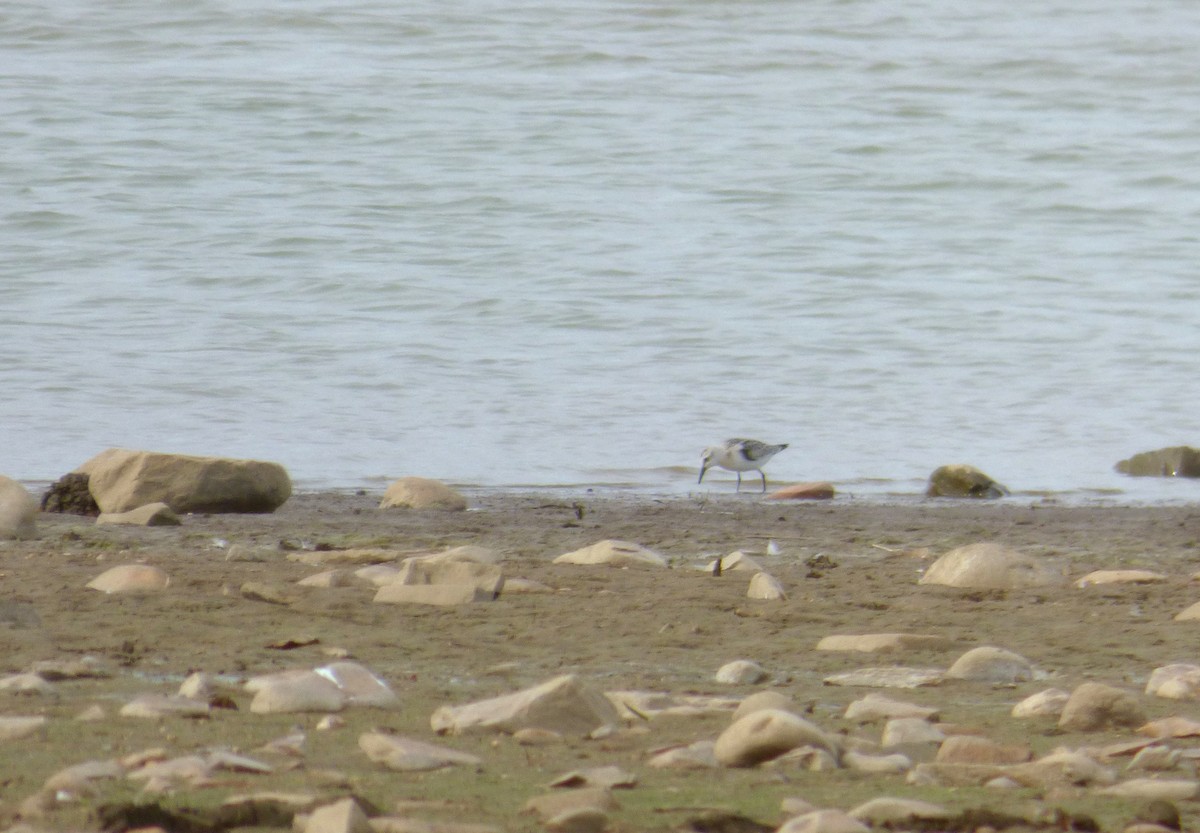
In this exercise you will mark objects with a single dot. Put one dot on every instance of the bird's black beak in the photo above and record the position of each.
(703, 469)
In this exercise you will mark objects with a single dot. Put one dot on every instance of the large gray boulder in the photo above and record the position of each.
(1179, 461)
(963, 481)
(121, 479)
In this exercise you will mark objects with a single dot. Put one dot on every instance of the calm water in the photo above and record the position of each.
(573, 243)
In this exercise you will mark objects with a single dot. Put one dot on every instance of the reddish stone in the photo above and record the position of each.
(804, 491)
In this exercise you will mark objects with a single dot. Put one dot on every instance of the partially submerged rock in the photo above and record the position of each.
(962, 481)
(122, 479)
(1178, 461)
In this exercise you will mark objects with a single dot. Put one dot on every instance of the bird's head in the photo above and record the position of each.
(706, 457)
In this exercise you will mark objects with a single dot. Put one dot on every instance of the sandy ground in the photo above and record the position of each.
(849, 567)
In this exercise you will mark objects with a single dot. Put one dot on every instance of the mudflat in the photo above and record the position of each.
(233, 609)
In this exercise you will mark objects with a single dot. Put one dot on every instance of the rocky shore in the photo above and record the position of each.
(566, 695)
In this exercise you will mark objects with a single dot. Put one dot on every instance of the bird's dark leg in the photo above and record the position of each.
(763, 475)
(739, 474)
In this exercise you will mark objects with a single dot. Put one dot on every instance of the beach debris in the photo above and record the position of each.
(422, 493)
(962, 481)
(564, 704)
(741, 672)
(989, 664)
(70, 495)
(614, 554)
(130, 578)
(123, 479)
(989, 566)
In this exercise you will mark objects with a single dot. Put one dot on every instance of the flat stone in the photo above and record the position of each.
(823, 821)
(1150, 789)
(698, 755)
(875, 707)
(764, 700)
(735, 562)
(882, 642)
(422, 493)
(766, 734)
(158, 706)
(564, 704)
(26, 684)
(1120, 577)
(886, 811)
(377, 574)
(582, 820)
(990, 566)
(969, 749)
(910, 731)
(294, 692)
(417, 571)
(888, 677)
(361, 686)
(1178, 681)
(356, 556)
(1094, 706)
(651, 705)
(152, 514)
(766, 587)
(328, 578)
(16, 728)
(1171, 727)
(613, 553)
(441, 595)
(343, 816)
(610, 777)
(407, 755)
(130, 578)
(741, 672)
(988, 664)
(1048, 703)
(893, 764)
(555, 804)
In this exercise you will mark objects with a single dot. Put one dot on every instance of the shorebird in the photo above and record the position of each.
(739, 455)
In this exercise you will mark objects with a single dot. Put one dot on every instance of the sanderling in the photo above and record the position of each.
(739, 455)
